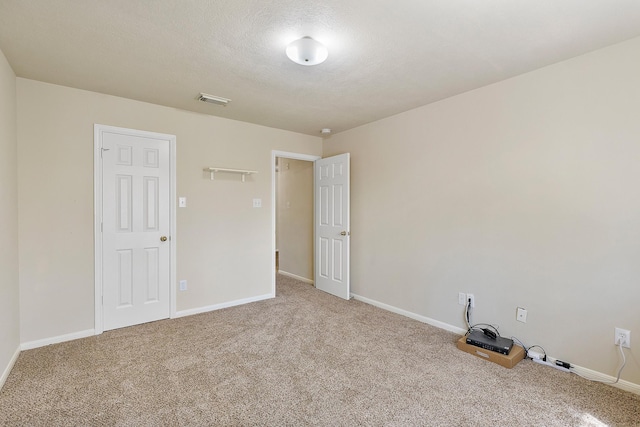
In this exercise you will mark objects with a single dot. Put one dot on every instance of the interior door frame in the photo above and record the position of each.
(285, 155)
(97, 215)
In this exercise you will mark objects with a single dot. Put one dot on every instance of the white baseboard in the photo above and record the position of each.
(599, 376)
(295, 276)
(595, 375)
(411, 315)
(91, 332)
(58, 339)
(199, 310)
(9, 367)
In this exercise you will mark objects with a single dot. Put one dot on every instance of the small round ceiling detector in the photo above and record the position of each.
(307, 51)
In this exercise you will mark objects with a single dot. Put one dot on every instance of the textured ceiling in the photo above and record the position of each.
(385, 56)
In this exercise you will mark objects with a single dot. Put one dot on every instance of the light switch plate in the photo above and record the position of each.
(182, 202)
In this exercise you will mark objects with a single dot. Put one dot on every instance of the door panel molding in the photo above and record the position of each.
(331, 228)
(123, 156)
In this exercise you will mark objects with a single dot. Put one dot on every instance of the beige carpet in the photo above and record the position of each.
(303, 358)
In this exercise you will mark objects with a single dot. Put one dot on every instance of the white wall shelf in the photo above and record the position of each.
(243, 172)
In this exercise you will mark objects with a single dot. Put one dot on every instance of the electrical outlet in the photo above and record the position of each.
(462, 298)
(623, 335)
(473, 300)
(183, 285)
(521, 315)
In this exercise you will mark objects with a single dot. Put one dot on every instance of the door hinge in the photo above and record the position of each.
(101, 229)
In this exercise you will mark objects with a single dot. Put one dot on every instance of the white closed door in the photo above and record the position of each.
(135, 228)
(332, 235)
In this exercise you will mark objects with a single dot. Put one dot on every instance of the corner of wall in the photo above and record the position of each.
(9, 280)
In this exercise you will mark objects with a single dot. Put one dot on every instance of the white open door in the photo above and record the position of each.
(331, 192)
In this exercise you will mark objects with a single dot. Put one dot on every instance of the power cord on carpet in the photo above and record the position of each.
(624, 362)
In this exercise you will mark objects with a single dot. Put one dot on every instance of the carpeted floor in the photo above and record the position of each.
(303, 358)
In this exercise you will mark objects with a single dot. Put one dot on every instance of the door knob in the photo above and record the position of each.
(344, 233)
(163, 239)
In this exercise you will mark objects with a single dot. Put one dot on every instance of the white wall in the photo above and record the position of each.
(223, 244)
(9, 289)
(294, 215)
(525, 193)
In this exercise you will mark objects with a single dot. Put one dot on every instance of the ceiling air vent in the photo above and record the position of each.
(218, 100)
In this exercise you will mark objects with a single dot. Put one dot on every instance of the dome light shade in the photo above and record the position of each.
(307, 51)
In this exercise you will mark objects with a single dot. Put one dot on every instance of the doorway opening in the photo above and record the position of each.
(292, 216)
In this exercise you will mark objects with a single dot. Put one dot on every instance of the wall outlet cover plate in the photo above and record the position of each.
(521, 315)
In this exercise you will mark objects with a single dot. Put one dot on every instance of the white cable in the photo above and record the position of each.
(624, 362)
(467, 313)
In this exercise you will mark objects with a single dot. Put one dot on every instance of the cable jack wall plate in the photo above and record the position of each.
(521, 315)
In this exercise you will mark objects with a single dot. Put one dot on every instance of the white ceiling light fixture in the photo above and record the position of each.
(212, 99)
(325, 131)
(307, 51)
